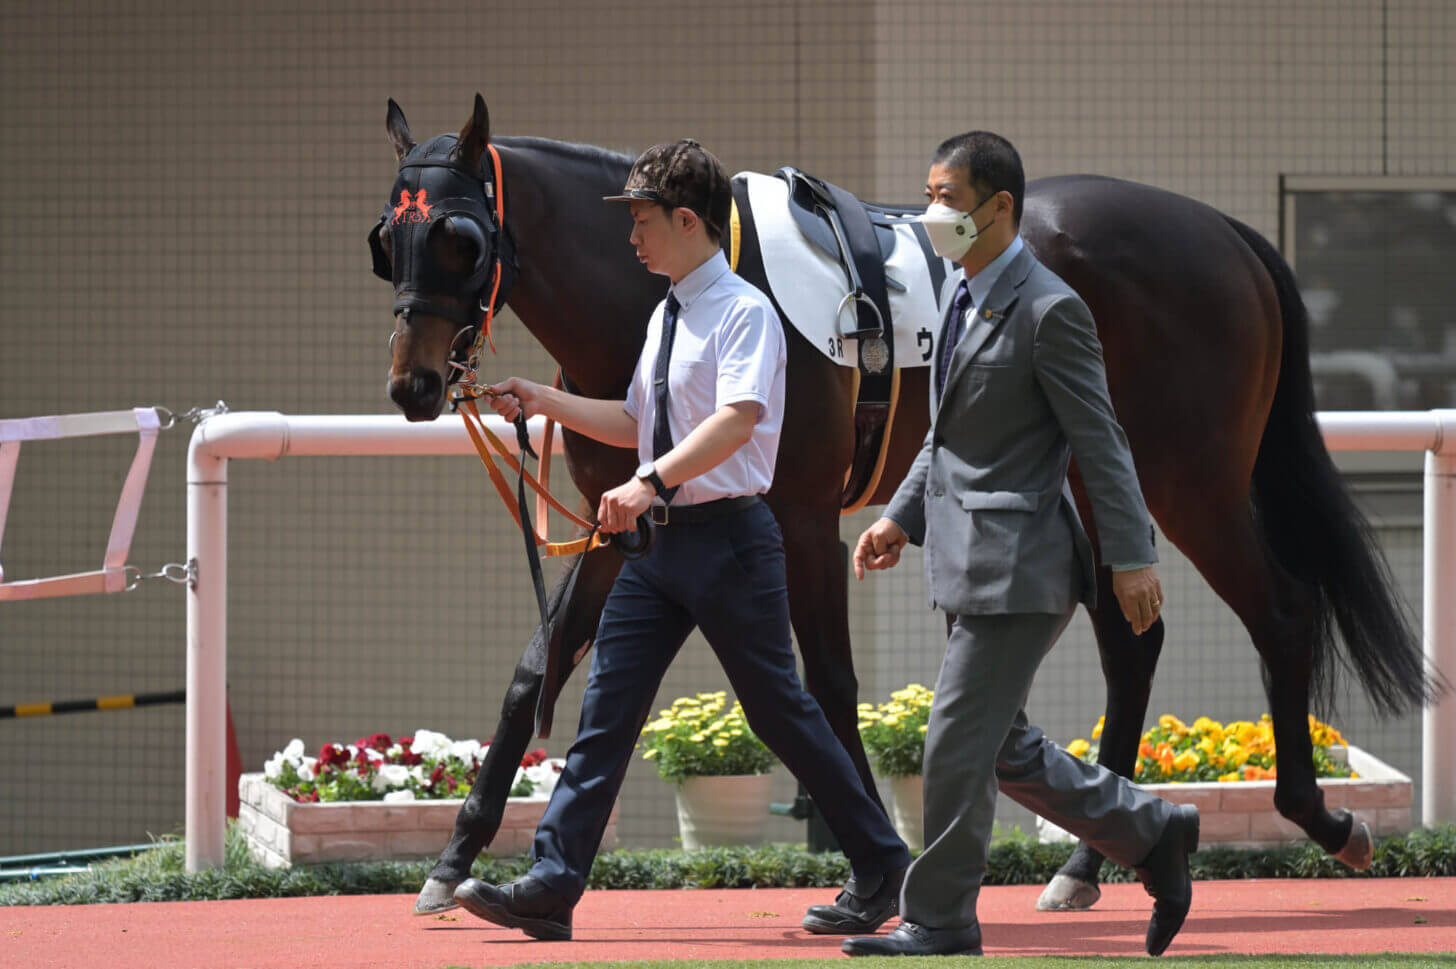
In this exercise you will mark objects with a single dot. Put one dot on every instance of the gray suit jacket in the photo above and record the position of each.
(988, 496)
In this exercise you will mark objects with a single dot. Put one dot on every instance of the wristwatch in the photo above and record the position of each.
(648, 473)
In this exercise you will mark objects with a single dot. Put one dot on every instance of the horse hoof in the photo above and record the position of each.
(437, 896)
(1359, 850)
(1067, 894)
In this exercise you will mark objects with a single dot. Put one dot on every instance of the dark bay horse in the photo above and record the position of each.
(1206, 347)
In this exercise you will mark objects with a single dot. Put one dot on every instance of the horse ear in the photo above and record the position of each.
(399, 133)
(474, 136)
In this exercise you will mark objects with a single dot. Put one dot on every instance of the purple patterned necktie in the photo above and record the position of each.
(954, 326)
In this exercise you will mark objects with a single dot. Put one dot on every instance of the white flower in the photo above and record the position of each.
(273, 769)
(305, 770)
(418, 772)
(394, 797)
(294, 751)
(544, 776)
(428, 743)
(468, 751)
(391, 775)
(373, 754)
(395, 750)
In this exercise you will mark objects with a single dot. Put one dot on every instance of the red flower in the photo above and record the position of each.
(378, 741)
(330, 756)
(534, 757)
(436, 774)
(361, 759)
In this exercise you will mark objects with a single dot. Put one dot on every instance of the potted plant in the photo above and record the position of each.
(893, 734)
(720, 767)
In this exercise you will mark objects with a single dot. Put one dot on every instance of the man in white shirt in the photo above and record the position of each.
(704, 411)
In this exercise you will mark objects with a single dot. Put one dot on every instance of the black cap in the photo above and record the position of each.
(681, 174)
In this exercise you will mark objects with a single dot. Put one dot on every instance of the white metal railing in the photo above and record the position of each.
(112, 576)
(271, 435)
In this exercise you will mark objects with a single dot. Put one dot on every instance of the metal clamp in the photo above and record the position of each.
(173, 572)
(196, 415)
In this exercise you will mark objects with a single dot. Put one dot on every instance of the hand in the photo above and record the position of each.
(514, 395)
(879, 547)
(620, 507)
(1140, 595)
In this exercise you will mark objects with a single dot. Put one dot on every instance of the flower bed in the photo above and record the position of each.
(1229, 773)
(382, 799)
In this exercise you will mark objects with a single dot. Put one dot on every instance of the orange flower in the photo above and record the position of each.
(1165, 758)
(1145, 749)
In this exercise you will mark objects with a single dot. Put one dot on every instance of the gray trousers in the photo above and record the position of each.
(979, 739)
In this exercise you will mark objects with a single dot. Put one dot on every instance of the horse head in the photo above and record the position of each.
(441, 243)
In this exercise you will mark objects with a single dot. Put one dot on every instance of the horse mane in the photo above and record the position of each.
(569, 151)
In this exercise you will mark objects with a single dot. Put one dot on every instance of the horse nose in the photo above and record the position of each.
(418, 395)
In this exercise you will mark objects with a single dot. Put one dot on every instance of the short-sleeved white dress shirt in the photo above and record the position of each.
(729, 347)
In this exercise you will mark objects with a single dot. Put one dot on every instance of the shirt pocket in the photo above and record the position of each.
(692, 384)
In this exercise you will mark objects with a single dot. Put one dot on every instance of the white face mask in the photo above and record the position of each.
(951, 231)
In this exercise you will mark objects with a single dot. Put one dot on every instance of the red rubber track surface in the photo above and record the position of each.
(1260, 916)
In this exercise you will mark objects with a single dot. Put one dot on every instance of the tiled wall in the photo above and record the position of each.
(187, 189)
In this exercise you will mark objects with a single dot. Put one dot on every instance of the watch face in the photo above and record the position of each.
(643, 470)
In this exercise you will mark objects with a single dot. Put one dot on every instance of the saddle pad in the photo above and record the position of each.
(809, 285)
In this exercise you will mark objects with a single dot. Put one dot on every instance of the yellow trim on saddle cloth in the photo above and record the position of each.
(735, 234)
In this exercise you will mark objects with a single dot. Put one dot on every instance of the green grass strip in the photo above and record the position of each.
(1016, 859)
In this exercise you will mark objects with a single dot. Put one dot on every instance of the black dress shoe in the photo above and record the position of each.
(1164, 873)
(859, 908)
(525, 904)
(910, 939)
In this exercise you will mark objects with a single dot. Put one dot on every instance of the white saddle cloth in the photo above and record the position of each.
(809, 285)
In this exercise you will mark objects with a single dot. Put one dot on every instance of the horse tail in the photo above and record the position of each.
(1318, 535)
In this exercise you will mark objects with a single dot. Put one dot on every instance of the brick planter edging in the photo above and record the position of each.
(1241, 814)
(281, 832)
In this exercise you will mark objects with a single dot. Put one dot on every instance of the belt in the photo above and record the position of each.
(706, 511)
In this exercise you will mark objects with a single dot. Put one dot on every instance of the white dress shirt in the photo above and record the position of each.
(729, 347)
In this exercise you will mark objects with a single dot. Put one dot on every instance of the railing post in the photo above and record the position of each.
(206, 784)
(1438, 726)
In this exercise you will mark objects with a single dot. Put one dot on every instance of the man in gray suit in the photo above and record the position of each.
(1018, 389)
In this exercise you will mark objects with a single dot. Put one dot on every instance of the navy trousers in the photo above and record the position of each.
(725, 576)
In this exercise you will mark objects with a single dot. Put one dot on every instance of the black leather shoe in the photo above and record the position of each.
(525, 904)
(1164, 873)
(910, 939)
(859, 908)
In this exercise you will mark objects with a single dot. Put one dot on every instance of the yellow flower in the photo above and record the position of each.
(1097, 730)
(891, 721)
(1207, 746)
(1186, 760)
(1169, 722)
(650, 755)
(721, 742)
(1078, 747)
(698, 738)
(922, 728)
(1232, 775)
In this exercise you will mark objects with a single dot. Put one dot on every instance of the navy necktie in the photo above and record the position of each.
(959, 306)
(661, 432)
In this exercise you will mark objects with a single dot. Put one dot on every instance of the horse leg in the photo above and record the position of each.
(818, 610)
(1128, 663)
(1297, 794)
(575, 607)
(1280, 614)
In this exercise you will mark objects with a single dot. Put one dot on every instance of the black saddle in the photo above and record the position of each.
(810, 202)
